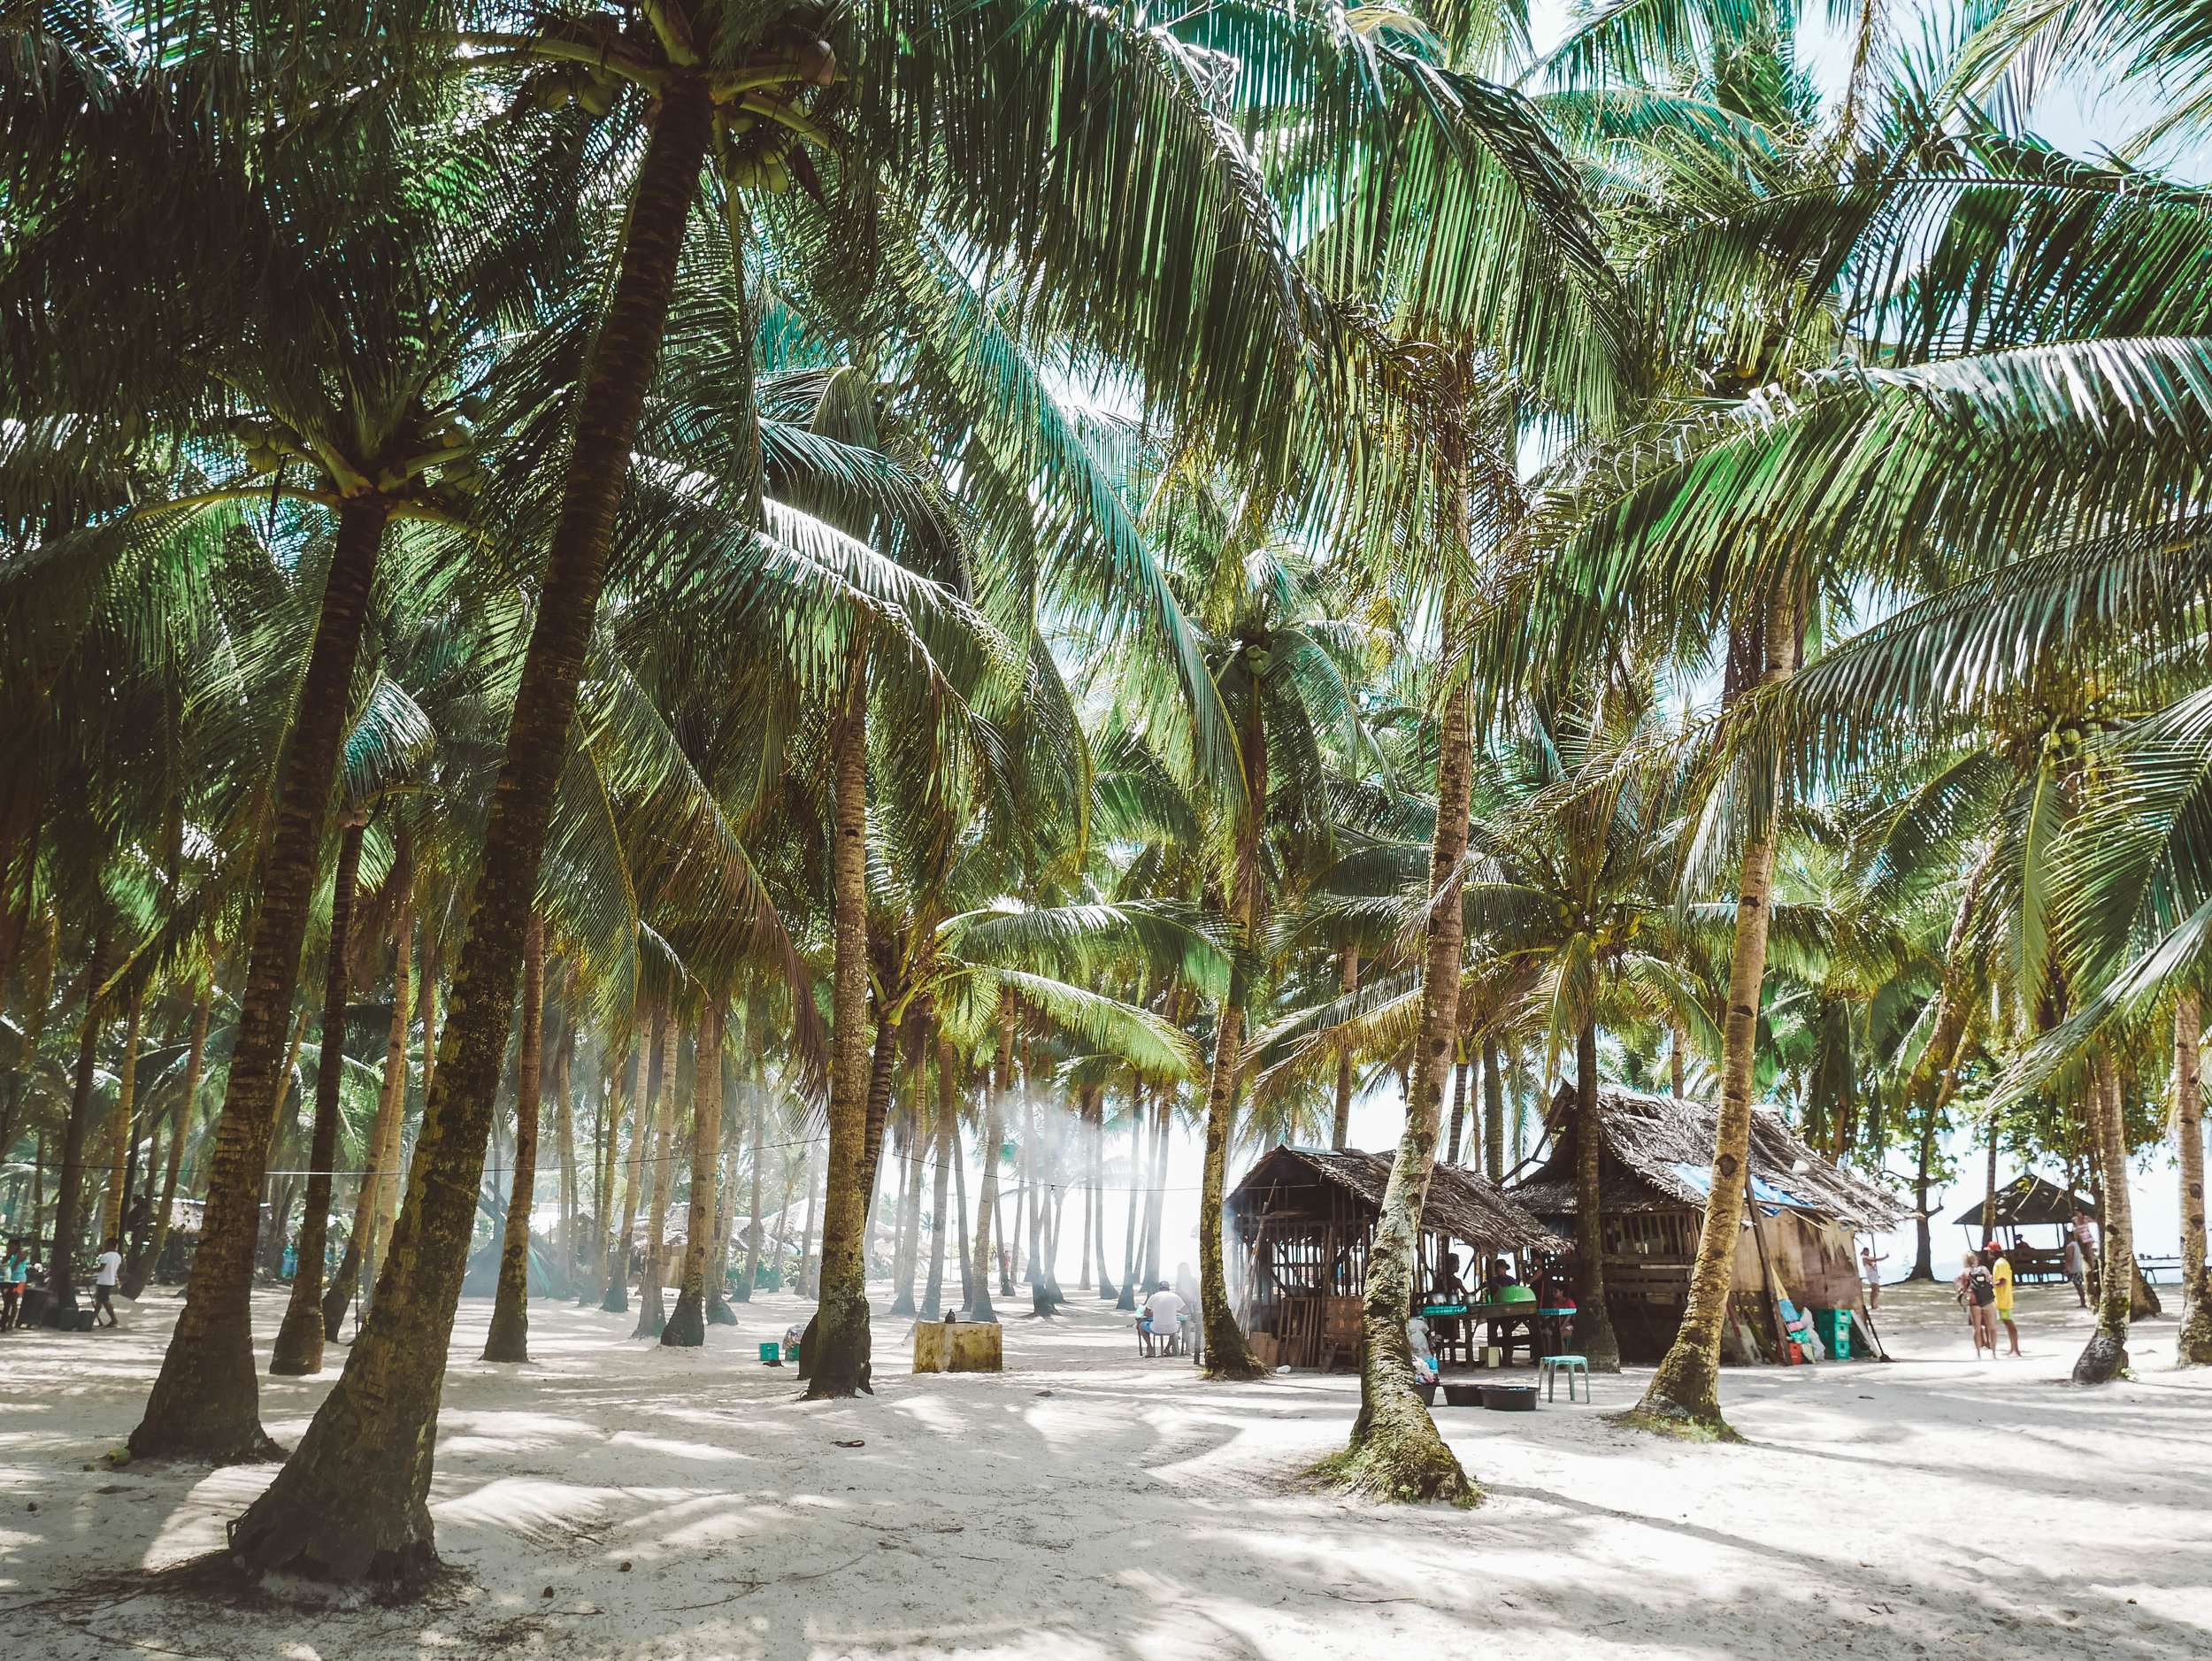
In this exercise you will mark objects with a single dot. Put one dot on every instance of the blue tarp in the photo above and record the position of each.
(1701, 1178)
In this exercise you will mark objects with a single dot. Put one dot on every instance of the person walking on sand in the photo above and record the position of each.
(1871, 1273)
(2082, 1235)
(2001, 1285)
(104, 1282)
(1978, 1297)
(2075, 1263)
(15, 1268)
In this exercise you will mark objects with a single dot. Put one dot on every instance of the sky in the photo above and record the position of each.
(2080, 112)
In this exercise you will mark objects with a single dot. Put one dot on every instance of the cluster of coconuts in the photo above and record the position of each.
(756, 154)
(755, 147)
(460, 470)
(593, 86)
(267, 443)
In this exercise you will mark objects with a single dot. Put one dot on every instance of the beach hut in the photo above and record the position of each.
(2027, 1202)
(1655, 1171)
(1301, 1222)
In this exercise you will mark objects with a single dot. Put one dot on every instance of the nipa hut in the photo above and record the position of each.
(1655, 1170)
(1303, 1220)
(2027, 1202)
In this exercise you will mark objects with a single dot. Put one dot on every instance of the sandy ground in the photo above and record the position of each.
(616, 1499)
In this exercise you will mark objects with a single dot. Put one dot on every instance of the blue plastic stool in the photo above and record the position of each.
(1552, 1366)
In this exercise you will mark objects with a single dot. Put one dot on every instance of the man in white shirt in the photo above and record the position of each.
(1162, 1314)
(103, 1283)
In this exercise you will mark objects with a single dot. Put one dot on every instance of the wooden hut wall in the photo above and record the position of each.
(1813, 1260)
(1809, 1259)
(1647, 1258)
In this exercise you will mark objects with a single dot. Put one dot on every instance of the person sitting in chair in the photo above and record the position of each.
(1160, 1325)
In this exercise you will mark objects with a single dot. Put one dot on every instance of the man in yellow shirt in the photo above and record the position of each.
(2001, 1274)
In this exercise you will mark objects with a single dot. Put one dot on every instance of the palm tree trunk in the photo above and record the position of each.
(1459, 1111)
(979, 1306)
(565, 1127)
(1989, 1186)
(1686, 1390)
(1156, 1194)
(1594, 1321)
(284, 1142)
(1227, 1355)
(1395, 1452)
(614, 1298)
(1087, 1132)
(61, 1258)
(206, 1403)
(1341, 1136)
(384, 1136)
(760, 1133)
(883, 1069)
(652, 1318)
(299, 1341)
(195, 1058)
(1128, 1298)
(836, 1363)
(2105, 1357)
(2195, 1345)
(509, 1336)
(38, 992)
(379, 1185)
(960, 1229)
(139, 1226)
(125, 1141)
(637, 1166)
(728, 1158)
(906, 1254)
(353, 1501)
(1493, 1112)
(791, 1170)
(1924, 1251)
(686, 1327)
(810, 1281)
(942, 1126)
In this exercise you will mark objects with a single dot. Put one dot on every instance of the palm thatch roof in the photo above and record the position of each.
(1661, 1150)
(1462, 1204)
(2029, 1202)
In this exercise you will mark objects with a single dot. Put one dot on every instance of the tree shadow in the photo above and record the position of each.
(1083, 1505)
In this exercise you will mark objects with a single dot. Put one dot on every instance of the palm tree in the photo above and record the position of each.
(1577, 888)
(349, 362)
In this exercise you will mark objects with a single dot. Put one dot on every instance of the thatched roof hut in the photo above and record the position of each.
(1303, 1219)
(2028, 1202)
(1655, 1170)
(1658, 1156)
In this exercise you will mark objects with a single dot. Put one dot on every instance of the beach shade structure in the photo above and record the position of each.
(1655, 1170)
(1301, 1222)
(2026, 1202)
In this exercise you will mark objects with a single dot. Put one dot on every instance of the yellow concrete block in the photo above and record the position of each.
(958, 1347)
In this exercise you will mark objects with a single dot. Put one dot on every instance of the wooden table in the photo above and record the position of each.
(1544, 1330)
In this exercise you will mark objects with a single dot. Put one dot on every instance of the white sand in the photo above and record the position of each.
(1085, 1504)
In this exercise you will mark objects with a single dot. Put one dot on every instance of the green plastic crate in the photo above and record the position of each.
(1834, 1328)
